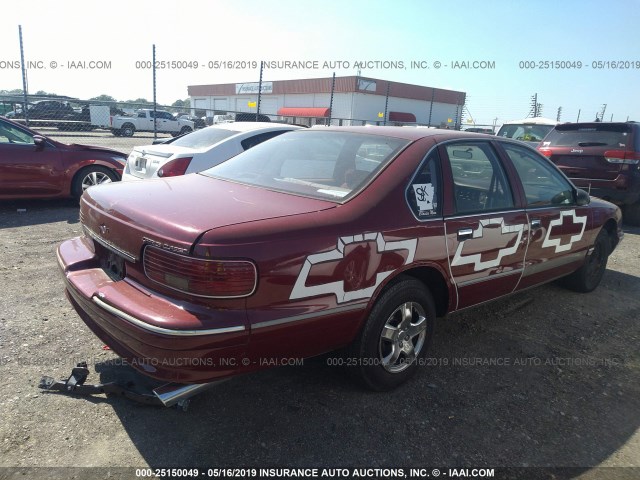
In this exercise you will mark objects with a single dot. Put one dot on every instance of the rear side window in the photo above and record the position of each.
(254, 140)
(423, 194)
(594, 135)
(479, 181)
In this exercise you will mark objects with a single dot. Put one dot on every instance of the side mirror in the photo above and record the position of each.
(582, 198)
(39, 141)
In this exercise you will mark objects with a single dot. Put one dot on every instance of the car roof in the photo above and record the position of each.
(407, 133)
(533, 121)
(577, 125)
(249, 126)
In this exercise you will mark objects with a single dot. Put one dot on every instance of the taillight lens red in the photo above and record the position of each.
(175, 167)
(621, 156)
(198, 276)
(545, 151)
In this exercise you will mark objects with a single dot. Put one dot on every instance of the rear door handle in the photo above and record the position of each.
(536, 224)
(465, 234)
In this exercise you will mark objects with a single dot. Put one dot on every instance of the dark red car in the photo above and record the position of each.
(326, 238)
(601, 157)
(34, 166)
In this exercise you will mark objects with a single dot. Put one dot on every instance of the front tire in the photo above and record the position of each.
(90, 176)
(589, 275)
(396, 336)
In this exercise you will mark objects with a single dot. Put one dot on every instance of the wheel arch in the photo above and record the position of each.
(431, 277)
(611, 227)
(86, 165)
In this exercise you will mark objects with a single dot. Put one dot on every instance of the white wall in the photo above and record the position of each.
(359, 106)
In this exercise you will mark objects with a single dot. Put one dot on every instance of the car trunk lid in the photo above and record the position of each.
(144, 162)
(174, 213)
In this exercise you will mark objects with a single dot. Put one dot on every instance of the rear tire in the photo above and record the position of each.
(395, 337)
(128, 130)
(185, 130)
(90, 176)
(589, 275)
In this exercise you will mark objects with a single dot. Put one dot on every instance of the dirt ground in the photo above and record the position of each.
(544, 378)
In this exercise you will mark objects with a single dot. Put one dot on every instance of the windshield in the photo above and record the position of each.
(326, 165)
(204, 138)
(525, 133)
(589, 136)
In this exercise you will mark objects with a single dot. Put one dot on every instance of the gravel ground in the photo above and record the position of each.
(544, 378)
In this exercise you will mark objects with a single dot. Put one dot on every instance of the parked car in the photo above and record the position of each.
(198, 150)
(530, 130)
(146, 120)
(319, 239)
(33, 166)
(603, 158)
(198, 122)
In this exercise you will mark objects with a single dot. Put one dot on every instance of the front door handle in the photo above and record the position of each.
(465, 234)
(536, 224)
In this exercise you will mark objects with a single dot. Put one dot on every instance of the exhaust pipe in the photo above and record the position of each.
(174, 393)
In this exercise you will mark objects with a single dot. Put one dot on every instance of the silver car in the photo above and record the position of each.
(199, 150)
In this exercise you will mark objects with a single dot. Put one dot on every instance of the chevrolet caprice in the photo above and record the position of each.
(331, 238)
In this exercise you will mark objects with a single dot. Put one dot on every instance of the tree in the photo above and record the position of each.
(182, 104)
(103, 98)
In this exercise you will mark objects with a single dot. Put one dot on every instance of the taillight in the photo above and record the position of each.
(175, 167)
(545, 151)
(621, 156)
(200, 277)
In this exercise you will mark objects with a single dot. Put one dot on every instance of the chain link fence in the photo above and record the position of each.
(331, 100)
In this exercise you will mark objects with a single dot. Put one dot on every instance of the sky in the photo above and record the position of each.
(519, 49)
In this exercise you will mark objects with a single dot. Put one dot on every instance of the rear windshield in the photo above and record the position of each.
(524, 132)
(588, 136)
(323, 165)
(204, 138)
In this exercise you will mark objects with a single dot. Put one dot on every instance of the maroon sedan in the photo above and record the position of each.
(33, 166)
(326, 238)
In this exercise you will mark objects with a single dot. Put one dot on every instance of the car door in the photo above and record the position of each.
(26, 168)
(559, 228)
(169, 123)
(486, 224)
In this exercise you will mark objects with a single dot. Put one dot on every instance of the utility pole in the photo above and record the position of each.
(601, 114)
(559, 114)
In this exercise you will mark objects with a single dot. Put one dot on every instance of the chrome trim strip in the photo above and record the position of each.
(488, 212)
(108, 245)
(163, 331)
(307, 316)
(492, 277)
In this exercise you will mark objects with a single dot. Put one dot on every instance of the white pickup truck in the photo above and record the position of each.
(143, 120)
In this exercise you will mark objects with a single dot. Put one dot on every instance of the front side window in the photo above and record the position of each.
(479, 181)
(11, 134)
(326, 165)
(423, 194)
(543, 185)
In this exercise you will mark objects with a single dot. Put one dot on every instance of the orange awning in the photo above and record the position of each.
(304, 112)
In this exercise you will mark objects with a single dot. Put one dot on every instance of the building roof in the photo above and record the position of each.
(350, 84)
